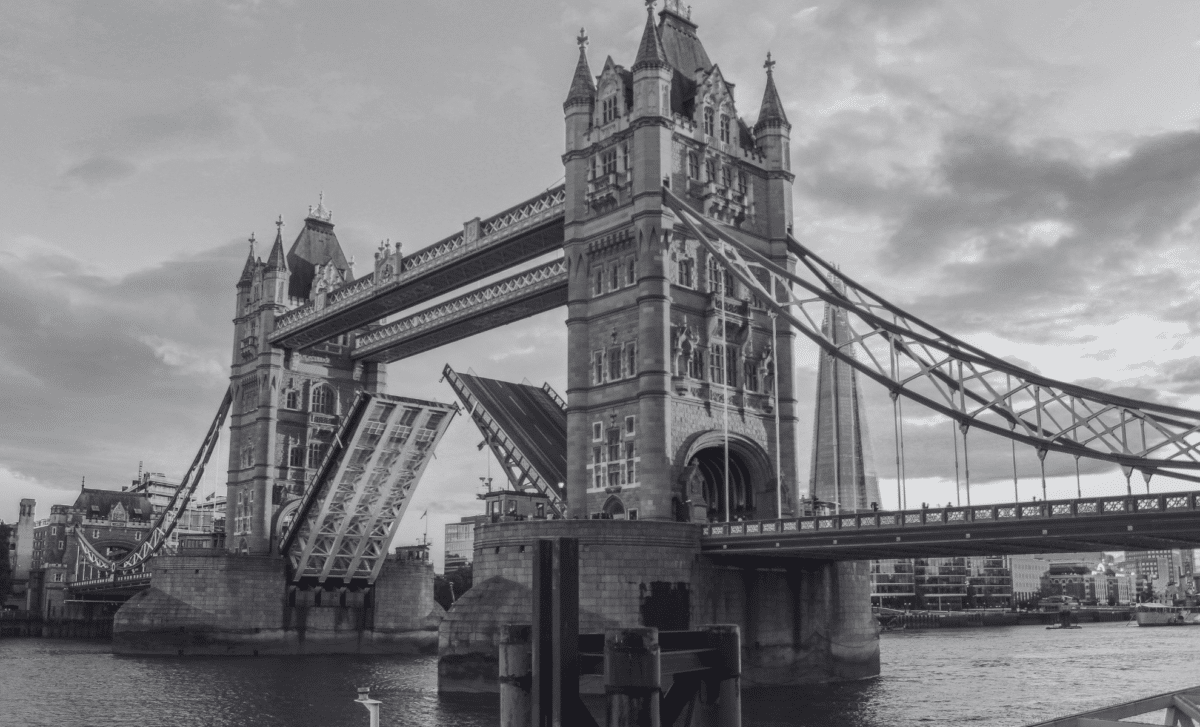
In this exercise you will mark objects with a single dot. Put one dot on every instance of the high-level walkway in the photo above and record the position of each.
(1139, 522)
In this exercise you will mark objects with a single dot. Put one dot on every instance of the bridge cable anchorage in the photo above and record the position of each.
(1070, 418)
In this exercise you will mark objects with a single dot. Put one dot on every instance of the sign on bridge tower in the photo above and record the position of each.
(671, 385)
(287, 404)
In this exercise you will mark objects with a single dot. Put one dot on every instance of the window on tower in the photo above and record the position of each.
(322, 400)
(724, 129)
(710, 170)
(614, 363)
(598, 288)
(291, 399)
(296, 456)
(726, 177)
(687, 273)
(631, 367)
(614, 277)
(316, 452)
(608, 108)
(631, 272)
(597, 367)
(608, 162)
(708, 121)
(693, 165)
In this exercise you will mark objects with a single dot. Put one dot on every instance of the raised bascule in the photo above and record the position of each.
(673, 458)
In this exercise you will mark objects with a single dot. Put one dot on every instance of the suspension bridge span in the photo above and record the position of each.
(674, 457)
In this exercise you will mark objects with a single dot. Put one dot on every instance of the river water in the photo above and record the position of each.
(995, 677)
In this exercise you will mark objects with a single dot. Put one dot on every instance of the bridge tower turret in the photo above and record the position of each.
(286, 405)
(660, 340)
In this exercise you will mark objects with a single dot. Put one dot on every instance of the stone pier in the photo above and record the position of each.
(802, 622)
(243, 604)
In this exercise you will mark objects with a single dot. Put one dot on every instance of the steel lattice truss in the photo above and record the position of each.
(527, 293)
(350, 512)
(978, 390)
(501, 232)
(517, 466)
(169, 517)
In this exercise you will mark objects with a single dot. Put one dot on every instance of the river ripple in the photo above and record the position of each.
(996, 677)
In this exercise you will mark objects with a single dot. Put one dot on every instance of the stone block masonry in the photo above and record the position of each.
(801, 621)
(243, 605)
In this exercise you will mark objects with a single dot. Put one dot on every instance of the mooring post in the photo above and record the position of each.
(726, 640)
(632, 677)
(516, 676)
(555, 693)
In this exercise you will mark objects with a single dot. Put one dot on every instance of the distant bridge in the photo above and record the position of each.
(1139, 522)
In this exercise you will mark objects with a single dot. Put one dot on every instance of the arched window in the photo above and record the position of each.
(614, 508)
(296, 456)
(291, 399)
(708, 121)
(322, 400)
(725, 128)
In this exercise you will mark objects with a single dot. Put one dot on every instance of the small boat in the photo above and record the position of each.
(1157, 614)
(1060, 626)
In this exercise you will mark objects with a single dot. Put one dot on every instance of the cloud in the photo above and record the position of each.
(95, 377)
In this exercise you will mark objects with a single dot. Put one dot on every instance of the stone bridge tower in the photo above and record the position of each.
(286, 405)
(661, 341)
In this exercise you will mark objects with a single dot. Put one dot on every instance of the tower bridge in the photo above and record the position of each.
(676, 447)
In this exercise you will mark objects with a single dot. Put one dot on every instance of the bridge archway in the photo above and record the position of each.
(614, 509)
(750, 474)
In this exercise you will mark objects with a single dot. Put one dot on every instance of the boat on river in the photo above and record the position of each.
(1157, 614)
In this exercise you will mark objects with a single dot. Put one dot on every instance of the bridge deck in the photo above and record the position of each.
(1167, 520)
(531, 418)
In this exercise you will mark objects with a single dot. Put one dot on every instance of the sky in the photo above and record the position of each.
(1024, 175)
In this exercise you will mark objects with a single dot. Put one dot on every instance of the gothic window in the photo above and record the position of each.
(614, 277)
(631, 359)
(608, 108)
(710, 170)
(625, 157)
(687, 273)
(597, 468)
(599, 287)
(597, 367)
(291, 399)
(693, 165)
(249, 396)
(631, 272)
(596, 431)
(726, 177)
(696, 364)
(629, 421)
(316, 452)
(614, 363)
(296, 456)
(732, 358)
(608, 162)
(613, 447)
(716, 364)
(630, 465)
(708, 121)
(248, 456)
(322, 400)
(750, 375)
(724, 128)
(741, 182)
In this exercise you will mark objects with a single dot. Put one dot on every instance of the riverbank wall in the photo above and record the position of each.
(915, 620)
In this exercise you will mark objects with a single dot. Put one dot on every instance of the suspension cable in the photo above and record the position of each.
(1078, 483)
(721, 286)
(957, 483)
(966, 463)
(1042, 459)
(837, 428)
(775, 388)
(896, 425)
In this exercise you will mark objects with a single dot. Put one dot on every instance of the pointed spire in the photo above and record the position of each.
(650, 53)
(583, 87)
(278, 259)
(771, 113)
(248, 268)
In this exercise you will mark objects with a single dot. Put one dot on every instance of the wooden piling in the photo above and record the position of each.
(632, 677)
(726, 640)
(516, 676)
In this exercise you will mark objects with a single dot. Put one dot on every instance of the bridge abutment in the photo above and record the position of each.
(243, 605)
(802, 621)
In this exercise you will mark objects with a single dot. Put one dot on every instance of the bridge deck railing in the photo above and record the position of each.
(117, 579)
(933, 517)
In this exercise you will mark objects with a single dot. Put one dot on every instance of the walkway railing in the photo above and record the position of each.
(113, 581)
(1122, 505)
(490, 232)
